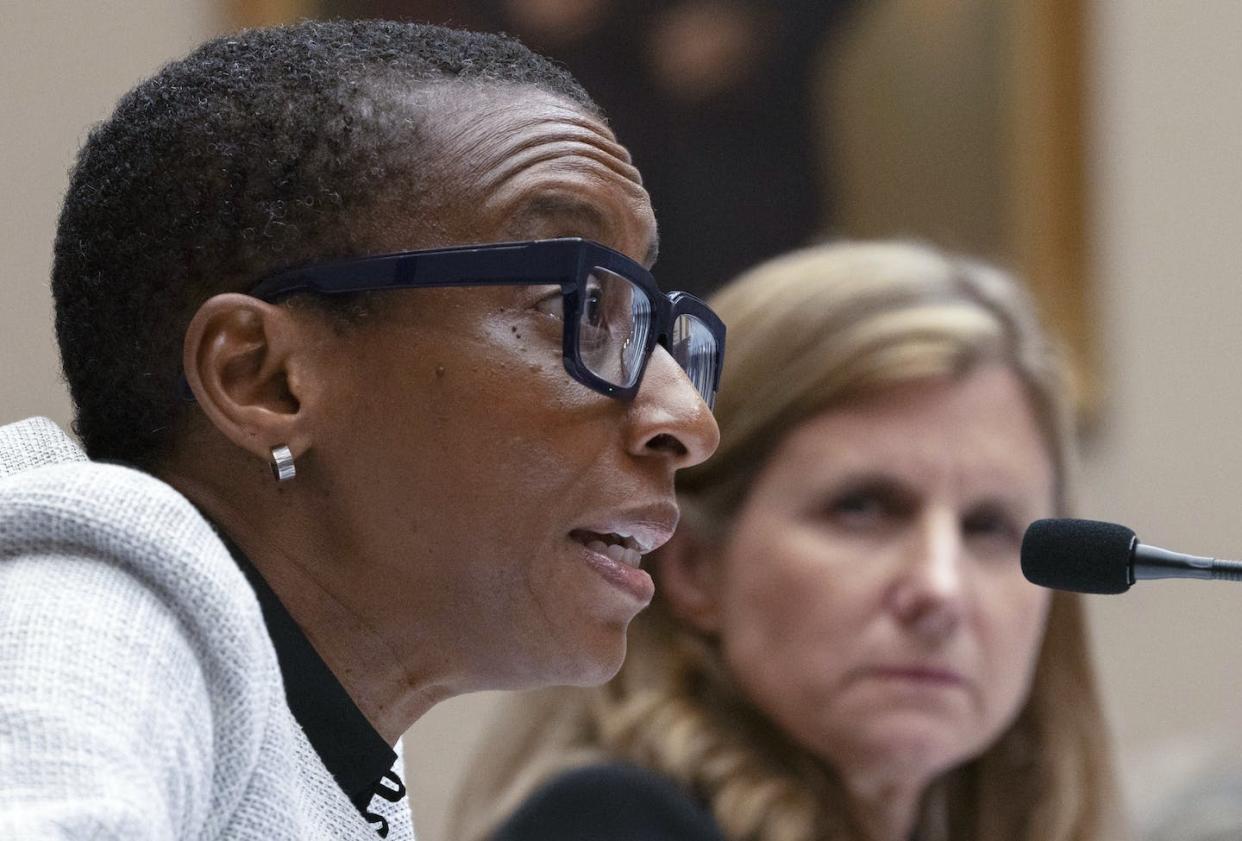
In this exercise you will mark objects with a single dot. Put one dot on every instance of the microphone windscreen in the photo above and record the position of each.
(1083, 556)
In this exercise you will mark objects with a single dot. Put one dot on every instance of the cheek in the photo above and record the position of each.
(460, 445)
(787, 612)
(1012, 631)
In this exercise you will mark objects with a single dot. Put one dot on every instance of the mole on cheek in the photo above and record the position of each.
(439, 372)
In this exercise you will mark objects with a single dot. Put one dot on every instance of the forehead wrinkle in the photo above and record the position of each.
(553, 174)
(566, 152)
(494, 135)
(468, 118)
(588, 129)
(501, 153)
(492, 140)
(555, 199)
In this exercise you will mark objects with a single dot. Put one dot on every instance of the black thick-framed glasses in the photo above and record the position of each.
(614, 313)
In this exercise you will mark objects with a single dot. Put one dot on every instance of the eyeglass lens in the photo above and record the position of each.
(613, 330)
(693, 346)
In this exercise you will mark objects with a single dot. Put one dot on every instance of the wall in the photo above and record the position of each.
(63, 63)
(1167, 188)
(1167, 172)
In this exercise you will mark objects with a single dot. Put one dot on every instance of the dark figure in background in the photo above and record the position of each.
(714, 99)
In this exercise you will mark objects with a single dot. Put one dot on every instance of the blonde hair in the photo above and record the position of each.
(805, 332)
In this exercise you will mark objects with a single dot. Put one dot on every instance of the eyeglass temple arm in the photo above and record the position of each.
(483, 267)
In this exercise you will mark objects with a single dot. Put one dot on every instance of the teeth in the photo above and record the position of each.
(617, 552)
(631, 542)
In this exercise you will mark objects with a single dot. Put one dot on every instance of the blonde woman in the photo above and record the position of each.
(842, 645)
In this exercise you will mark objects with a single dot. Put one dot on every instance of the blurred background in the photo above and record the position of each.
(1090, 144)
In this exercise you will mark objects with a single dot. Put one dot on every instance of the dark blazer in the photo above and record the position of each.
(610, 802)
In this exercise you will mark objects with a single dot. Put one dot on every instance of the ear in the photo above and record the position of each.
(689, 579)
(239, 360)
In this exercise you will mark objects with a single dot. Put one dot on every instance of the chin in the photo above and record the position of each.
(599, 659)
(911, 744)
(602, 668)
(593, 677)
(594, 659)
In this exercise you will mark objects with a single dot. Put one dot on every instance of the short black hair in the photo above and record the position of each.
(259, 150)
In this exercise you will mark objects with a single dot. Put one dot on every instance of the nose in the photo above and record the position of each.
(668, 417)
(928, 594)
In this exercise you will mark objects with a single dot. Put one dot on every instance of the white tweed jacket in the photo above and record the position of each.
(140, 694)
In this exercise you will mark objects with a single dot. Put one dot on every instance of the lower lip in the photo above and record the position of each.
(633, 581)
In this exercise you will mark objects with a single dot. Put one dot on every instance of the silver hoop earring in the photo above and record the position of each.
(282, 464)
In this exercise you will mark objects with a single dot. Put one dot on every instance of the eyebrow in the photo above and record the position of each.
(868, 478)
(586, 218)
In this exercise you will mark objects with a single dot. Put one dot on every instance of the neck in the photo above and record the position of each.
(394, 674)
(887, 808)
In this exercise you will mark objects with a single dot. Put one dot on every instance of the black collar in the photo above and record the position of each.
(356, 755)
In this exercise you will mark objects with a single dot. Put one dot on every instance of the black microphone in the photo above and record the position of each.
(1088, 556)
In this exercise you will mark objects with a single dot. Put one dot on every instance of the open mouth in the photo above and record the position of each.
(622, 548)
